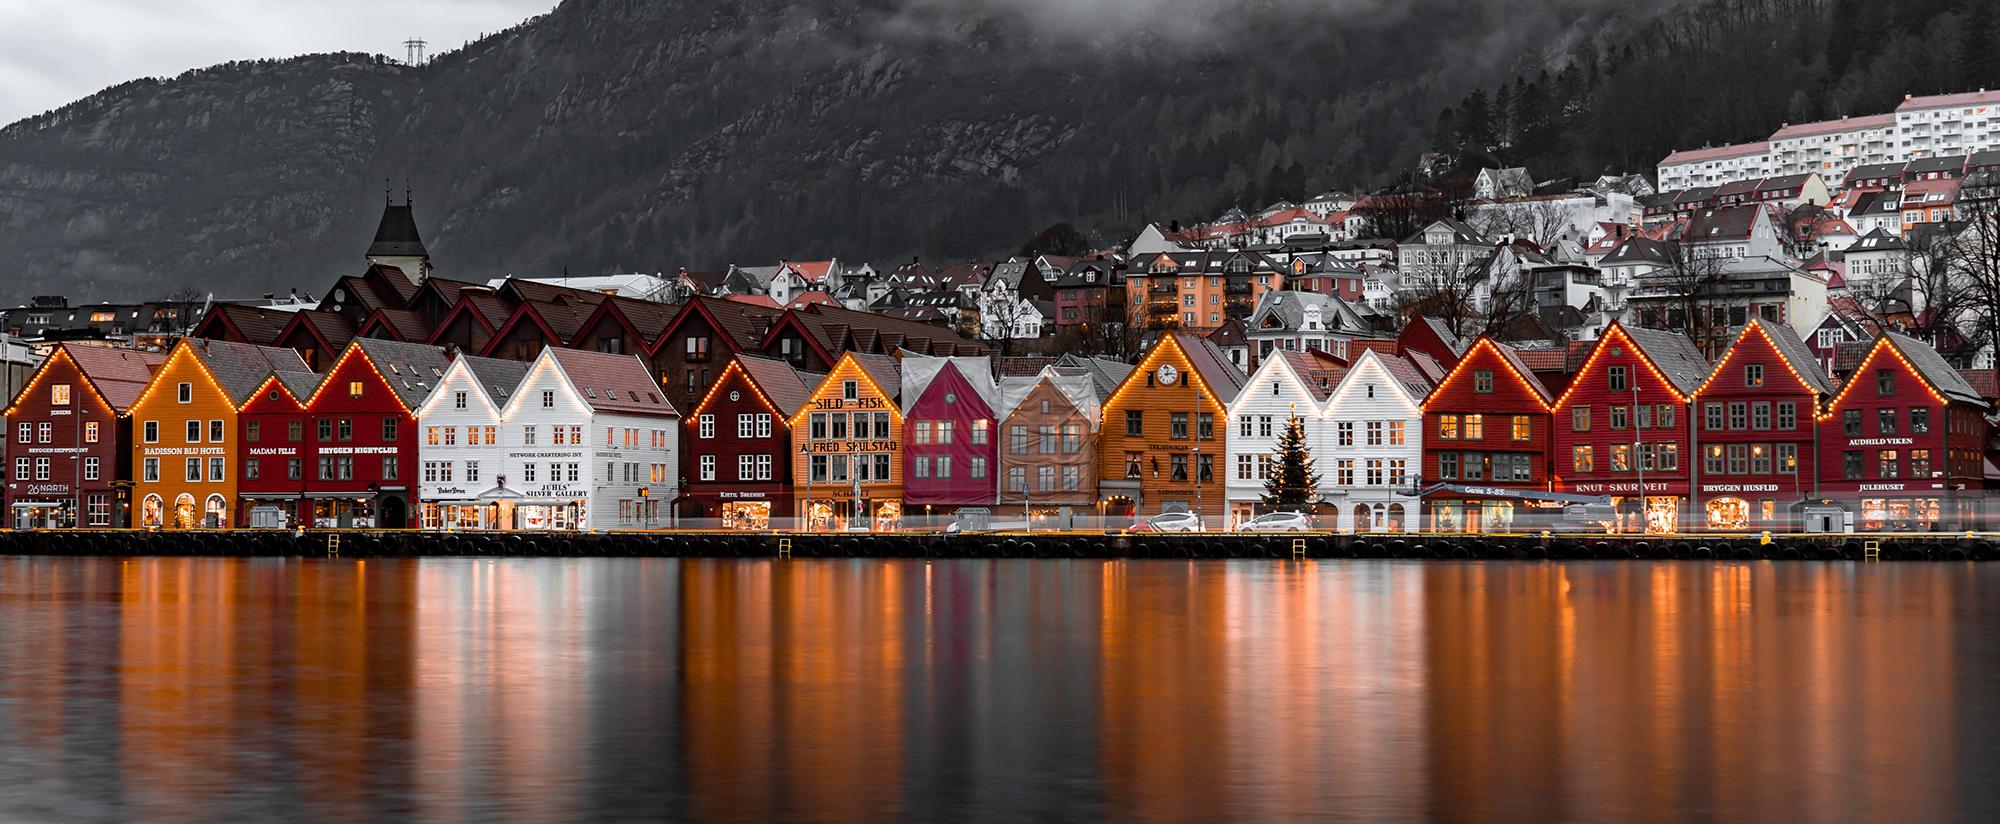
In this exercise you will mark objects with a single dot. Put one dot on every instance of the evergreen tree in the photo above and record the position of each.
(1292, 485)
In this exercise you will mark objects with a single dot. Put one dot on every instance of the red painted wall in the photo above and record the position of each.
(961, 489)
(1510, 397)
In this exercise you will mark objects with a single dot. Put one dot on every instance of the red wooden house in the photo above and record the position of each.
(1486, 442)
(1622, 426)
(951, 453)
(701, 340)
(1755, 420)
(68, 441)
(344, 449)
(736, 456)
(1904, 441)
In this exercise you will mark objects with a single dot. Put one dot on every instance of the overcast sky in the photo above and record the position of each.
(55, 51)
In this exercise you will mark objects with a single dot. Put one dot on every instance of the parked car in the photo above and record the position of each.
(1277, 522)
(1169, 522)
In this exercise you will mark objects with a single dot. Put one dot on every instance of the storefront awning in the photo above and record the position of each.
(499, 493)
(1518, 494)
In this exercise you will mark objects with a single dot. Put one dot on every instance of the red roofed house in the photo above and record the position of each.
(1622, 426)
(69, 440)
(736, 466)
(1755, 420)
(1904, 442)
(1486, 442)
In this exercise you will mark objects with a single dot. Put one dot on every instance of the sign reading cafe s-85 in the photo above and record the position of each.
(845, 447)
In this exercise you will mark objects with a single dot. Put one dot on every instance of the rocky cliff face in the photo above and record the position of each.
(645, 135)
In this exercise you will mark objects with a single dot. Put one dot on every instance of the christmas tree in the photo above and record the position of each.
(1292, 486)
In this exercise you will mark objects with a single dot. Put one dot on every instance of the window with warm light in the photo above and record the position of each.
(59, 395)
(354, 389)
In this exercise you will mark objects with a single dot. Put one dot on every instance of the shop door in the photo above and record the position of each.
(394, 513)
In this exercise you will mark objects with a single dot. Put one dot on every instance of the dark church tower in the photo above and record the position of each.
(398, 244)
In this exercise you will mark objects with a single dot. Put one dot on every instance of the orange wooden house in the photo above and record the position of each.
(849, 439)
(184, 443)
(1163, 432)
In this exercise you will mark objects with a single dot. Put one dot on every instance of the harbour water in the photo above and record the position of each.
(560, 690)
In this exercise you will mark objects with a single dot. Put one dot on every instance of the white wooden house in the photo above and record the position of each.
(1370, 445)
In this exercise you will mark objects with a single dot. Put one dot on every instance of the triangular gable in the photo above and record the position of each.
(1506, 357)
(853, 366)
(1370, 362)
(1791, 351)
(261, 397)
(1282, 369)
(608, 310)
(525, 314)
(458, 377)
(1617, 332)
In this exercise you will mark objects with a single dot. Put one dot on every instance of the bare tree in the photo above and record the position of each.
(1446, 292)
(183, 308)
(1934, 287)
(1977, 254)
(1540, 221)
(1692, 280)
(1001, 311)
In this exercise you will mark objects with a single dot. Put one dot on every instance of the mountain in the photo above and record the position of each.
(637, 135)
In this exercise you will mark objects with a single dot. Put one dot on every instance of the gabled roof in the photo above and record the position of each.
(1933, 368)
(882, 369)
(644, 320)
(1723, 223)
(250, 324)
(329, 328)
(1074, 384)
(744, 326)
(1715, 153)
(1877, 240)
(301, 385)
(833, 327)
(119, 375)
(786, 388)
(239, 368)
(412, 370)
(402, 324)
(920, 371)
(1673, 354)
(1794, 351)
(1105, 374)
(1508, 356)
(1222, 377)
(1319, 372)
(499, 378)
(612, 383)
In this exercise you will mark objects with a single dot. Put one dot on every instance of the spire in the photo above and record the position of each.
(397, 235)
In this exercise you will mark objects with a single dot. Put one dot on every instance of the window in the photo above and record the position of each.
(548, 399)
(25, 433)
(1615, 375)
(1621, 457)
(944, 432)
(1045, 440)
(1132, 464)
(392, 469)
(194, 431)
(1447, 429)
(1135, 422)
(1243, 467)
(1920, 421)
(1482, 381)
(295, 431)
(1885, 382)
(389, 427)
(1072, 478)
(1920, 463)
(1621, 417)
(346, 427)
(1346, 472)
(707, 465)
(1398, 472)
(1396, 436)
(1579, 419)
(89, 432)
(1753, 374)
(191, 470)
(1072, 438)
(923, 435)
(1522, 428)
(850, 390)
(45, 432)
(980, 431)
(1206, 469)
(184, 392)
(1885, 421)
(1178, 425)
(1017, 438)
(355, 388)
(1888, 463)
(1204, 425)
(1243, 426)
(41, 469)
(1374, 475)
(705, 427)
(458, 400)
(746, 467)
(1760, 415)
(1850, 423)
(294, 469)
(1711, 416)
(1346, 429)
(696, 348)
(1739, 415)
(1017, 479)
(1045, 478)
(1760, 459)
(1447, 464)
(1788, 415)
(1788, 457)
(1475, 427)
(746, 425)
(152, 470)
(978, 467)
(90, 469)
(1179, 468)
(1374, 433)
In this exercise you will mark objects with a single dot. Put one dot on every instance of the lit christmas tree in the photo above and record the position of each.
(1292, 485)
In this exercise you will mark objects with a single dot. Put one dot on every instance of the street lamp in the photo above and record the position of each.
(805, 512)
(1638, 451)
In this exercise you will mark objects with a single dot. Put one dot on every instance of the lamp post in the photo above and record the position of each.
(805, 512)
(1638, 452)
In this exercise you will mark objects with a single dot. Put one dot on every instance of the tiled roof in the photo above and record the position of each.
(498, 377)
(1933, 368)
(879, 333)
(787, 388)
(919, 372)
(1673, 354)
(257, 325)
(613, 383)
(301, 385)
(1514, 359)
(1105, 374)
(1319, 372)
(1222, 377)
(119, 374)
(886, 373)
(331, 326)
(412, 369)
(1940, 101)
(239, 368)
(744, 324)
(406, 323)
(1794, 351)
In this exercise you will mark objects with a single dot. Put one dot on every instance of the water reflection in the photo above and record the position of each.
(208, 689)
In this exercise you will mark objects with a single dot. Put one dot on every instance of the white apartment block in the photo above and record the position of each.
(1937, 125)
